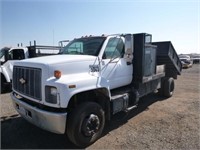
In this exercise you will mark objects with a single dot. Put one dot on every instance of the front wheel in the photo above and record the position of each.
(85, 124)
(3, 85)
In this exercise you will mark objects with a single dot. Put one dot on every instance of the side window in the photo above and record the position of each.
(114, 48)
(16, 54)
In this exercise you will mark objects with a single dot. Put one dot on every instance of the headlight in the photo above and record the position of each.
(51, 94)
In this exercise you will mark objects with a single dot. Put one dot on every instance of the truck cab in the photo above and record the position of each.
(9, 55)
(109, 62)
(94, 78)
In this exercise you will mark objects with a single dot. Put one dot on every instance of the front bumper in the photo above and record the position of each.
(50, 121)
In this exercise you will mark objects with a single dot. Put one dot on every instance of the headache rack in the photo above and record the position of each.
(42, 50)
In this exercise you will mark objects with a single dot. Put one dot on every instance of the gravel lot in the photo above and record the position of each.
(157, 123)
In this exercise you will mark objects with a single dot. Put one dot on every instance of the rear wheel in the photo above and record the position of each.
(168, 88)
(85, 124)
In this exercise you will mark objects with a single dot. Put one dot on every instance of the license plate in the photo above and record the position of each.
(22, 110)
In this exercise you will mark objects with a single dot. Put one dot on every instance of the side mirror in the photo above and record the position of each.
(128, 56)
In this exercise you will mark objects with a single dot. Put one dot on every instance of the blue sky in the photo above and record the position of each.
(48, 21)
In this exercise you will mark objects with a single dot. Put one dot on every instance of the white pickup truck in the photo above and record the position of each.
(94, 78)
(9, 55)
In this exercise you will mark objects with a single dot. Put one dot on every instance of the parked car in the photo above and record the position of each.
(196, 58)
(186, 61)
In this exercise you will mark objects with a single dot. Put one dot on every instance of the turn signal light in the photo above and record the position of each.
(57, 74)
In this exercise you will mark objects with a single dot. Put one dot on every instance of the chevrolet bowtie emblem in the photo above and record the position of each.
(22, 80)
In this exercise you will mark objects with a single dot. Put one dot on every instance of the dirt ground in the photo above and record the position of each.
(157, 123)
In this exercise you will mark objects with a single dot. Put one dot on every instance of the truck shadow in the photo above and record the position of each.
(8, 89)
(17, 133)
(122, 117)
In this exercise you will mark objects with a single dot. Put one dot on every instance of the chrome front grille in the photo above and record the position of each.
(27, 81)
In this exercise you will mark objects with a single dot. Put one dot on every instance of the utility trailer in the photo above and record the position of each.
(94, 78)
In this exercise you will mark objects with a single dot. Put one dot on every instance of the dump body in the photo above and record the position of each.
(167, 55)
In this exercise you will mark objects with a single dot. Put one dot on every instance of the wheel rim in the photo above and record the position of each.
(91, 125)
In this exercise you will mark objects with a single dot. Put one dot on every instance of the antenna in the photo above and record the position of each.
(53, 37)
(53, 40)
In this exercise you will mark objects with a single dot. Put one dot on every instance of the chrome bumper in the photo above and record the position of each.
(51, 121)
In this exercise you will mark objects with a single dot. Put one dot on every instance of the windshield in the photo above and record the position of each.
(84, 46)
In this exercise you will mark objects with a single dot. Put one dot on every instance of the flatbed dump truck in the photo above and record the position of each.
(94, 78)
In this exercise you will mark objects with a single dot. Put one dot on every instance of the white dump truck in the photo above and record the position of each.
(9, 55)
(95, 77)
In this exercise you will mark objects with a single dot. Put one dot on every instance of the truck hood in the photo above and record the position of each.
(59, 59)
(67, 64)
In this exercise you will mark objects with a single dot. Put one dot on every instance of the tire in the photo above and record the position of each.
(85, 124)
(161, 90)
(3, 85)
(2, 88)
(168, 87)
